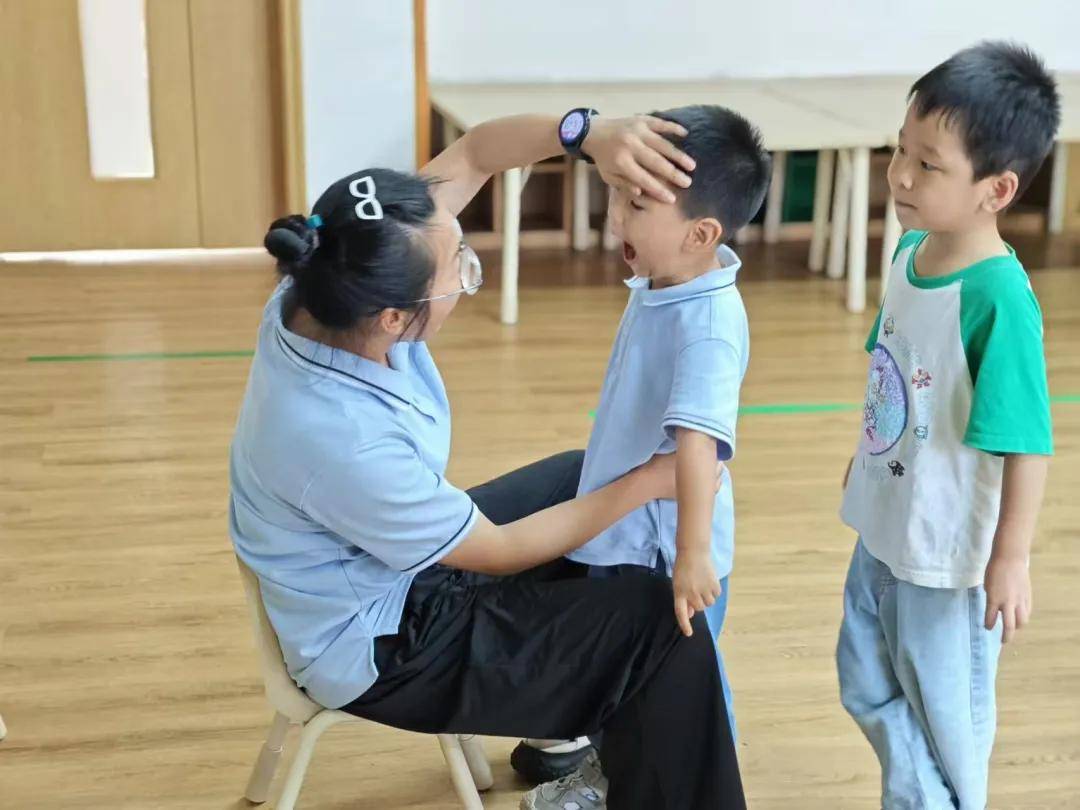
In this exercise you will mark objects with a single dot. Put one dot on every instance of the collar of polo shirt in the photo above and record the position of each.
(706, 284)
(391, 385)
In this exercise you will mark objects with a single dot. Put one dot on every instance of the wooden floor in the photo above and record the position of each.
(127, 675)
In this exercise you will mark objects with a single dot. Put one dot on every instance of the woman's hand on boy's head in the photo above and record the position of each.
(633, 155)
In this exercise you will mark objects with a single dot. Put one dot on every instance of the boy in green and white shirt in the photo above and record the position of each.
(948, 478)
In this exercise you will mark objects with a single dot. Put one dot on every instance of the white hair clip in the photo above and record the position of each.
(363, 188)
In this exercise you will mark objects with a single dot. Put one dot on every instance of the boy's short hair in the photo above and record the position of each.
(1003, 103)
(732, 169)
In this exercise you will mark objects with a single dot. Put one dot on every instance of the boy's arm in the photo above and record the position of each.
(1007, 581)
(632, 152)
(694, 580)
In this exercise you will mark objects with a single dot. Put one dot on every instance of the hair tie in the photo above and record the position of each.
(314, 222)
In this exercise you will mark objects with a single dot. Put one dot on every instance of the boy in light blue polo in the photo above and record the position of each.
(672, 383)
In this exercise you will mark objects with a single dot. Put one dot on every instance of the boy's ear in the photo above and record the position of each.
(706, 232)
(1001, 191)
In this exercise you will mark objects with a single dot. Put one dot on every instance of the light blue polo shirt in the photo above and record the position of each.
(338, 497)
(678, 361)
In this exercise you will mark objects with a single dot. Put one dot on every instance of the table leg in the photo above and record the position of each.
(512, 182)
(580, 238)
(823, 184)
(775, 202)
(890, 239)
(1055, 217)
(860, 215)
(841, 203)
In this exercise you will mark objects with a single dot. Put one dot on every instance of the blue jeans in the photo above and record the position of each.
(917, 672)
(714, 617)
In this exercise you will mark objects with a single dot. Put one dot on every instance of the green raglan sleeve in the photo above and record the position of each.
(1002, 331)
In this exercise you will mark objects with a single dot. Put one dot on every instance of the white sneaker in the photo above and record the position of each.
(585, 789)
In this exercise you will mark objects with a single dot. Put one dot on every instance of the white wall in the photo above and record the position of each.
(500, 40)
(358, 86)
(358, 80)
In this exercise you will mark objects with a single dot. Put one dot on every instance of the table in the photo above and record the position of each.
(786, 125)
(1069, 132)
(877, 103)
(842, 118)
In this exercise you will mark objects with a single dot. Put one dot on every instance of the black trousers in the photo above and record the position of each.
(552, 653)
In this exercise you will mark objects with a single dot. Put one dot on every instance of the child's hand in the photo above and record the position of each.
(696, 586)
(1008, 592)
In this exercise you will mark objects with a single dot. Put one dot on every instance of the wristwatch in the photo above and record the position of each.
(574, 129)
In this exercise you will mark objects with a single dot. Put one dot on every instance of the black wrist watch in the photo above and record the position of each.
(574, 129)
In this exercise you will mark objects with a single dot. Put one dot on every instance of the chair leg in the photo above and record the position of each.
(309, 735)
(460, 776)
(479, 766)
(258, 787)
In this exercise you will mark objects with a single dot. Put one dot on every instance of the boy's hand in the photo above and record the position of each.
(633, 155)
(1008, 592)
(696, 586)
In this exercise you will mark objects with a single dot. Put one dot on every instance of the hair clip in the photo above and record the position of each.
(363, 188)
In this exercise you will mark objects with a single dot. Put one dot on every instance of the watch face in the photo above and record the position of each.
(571, 127)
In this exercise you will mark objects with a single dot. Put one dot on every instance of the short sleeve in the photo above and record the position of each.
(1003, 340)
(871, 339)
(385, 500)
(705, 392)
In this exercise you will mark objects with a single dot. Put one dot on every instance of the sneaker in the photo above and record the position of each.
(539, 761)
(585, 789)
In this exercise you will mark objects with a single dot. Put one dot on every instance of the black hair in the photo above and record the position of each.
(1003, 103)
(346, 268)
(732, 168)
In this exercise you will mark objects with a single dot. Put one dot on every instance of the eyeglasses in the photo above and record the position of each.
(470, 271)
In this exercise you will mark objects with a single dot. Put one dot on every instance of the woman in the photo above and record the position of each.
(403, 599)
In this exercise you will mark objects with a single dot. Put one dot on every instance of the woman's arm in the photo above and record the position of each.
(553, 532)
(630, 153)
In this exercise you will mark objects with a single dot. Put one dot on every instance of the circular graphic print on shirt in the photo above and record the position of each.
(885, 413)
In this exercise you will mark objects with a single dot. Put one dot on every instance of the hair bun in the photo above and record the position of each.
(291, 239)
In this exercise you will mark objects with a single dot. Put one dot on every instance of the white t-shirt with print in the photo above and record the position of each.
(957, 379)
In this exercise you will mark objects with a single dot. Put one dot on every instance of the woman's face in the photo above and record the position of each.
(443, 236)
